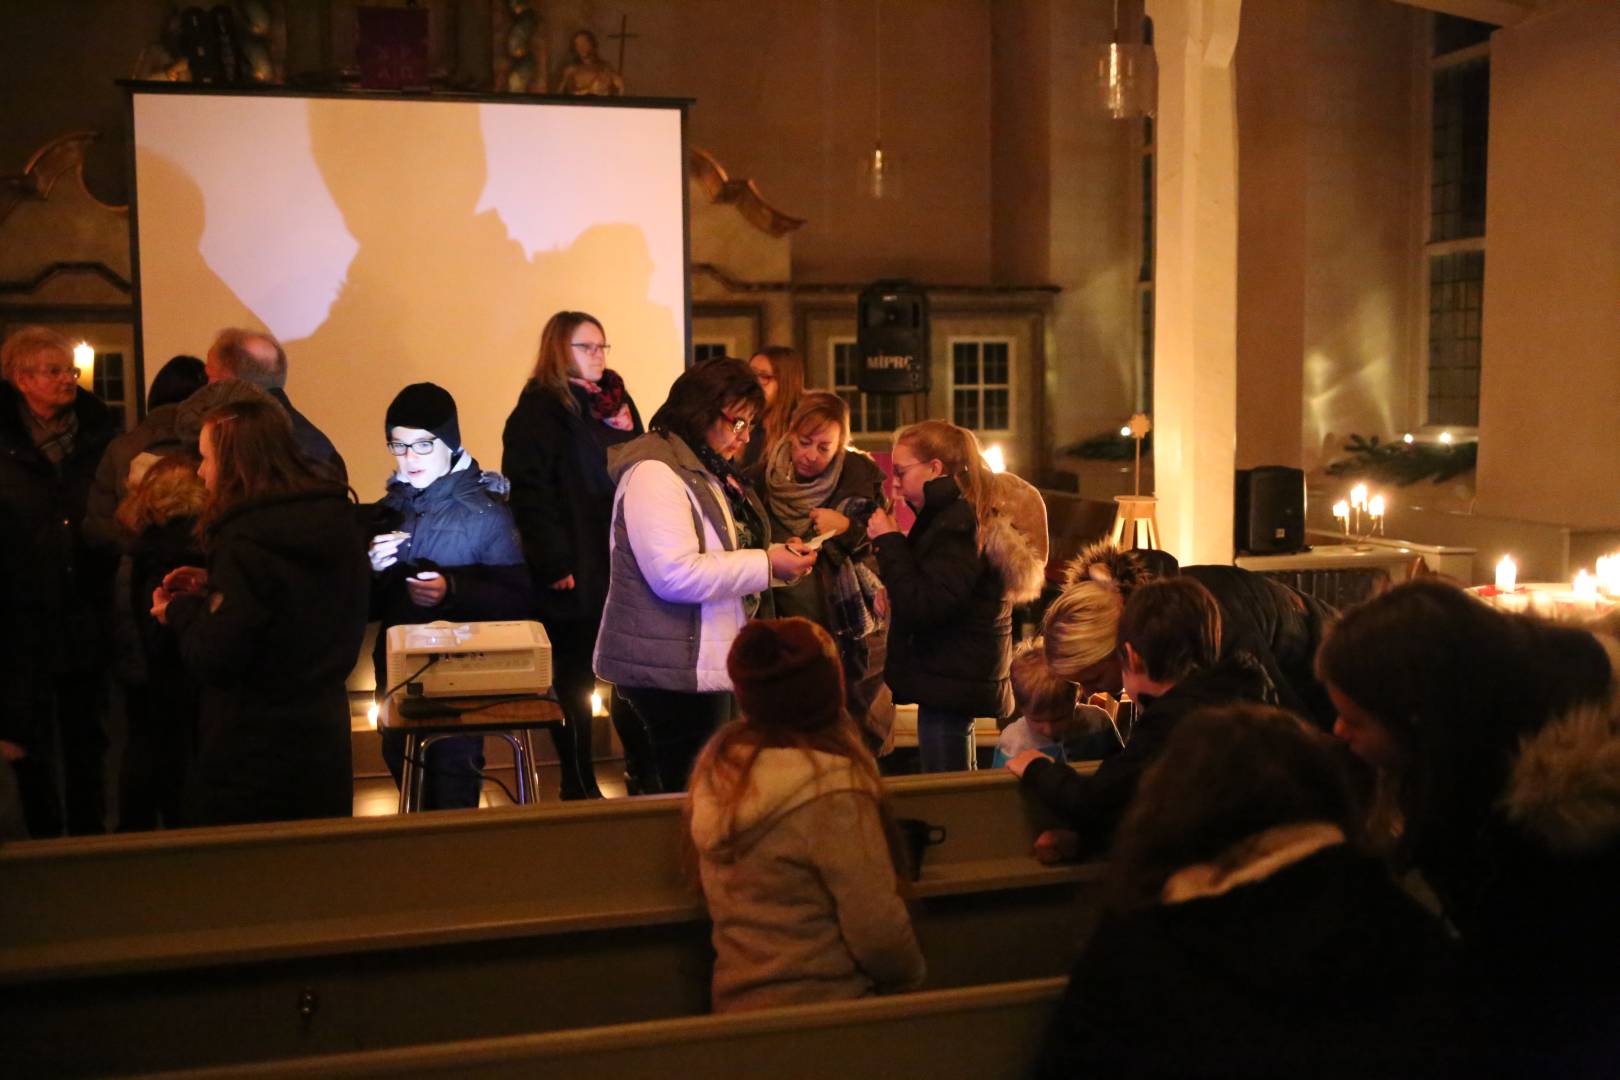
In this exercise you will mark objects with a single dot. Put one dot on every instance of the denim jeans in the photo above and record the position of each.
(944, 740)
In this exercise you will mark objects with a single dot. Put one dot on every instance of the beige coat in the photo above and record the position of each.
(805, 901)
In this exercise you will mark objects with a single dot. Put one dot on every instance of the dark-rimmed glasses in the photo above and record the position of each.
(420, 449)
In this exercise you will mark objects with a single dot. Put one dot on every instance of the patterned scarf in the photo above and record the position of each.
(608, 403)
(750, 530)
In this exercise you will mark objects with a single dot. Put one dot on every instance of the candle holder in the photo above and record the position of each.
(1361, 518)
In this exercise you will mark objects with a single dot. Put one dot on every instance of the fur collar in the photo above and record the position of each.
(1013, 555)
(1255, 859)
(1564, 788)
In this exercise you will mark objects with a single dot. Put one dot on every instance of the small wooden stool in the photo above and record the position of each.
(511, 718)
(1135, 526)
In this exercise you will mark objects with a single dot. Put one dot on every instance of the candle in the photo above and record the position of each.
(995, 459)
(1586, 586)
(84, 360)
(1358, 496)
(1341, 510)
(1507, 574)
(1375, 506)
(1608, 574)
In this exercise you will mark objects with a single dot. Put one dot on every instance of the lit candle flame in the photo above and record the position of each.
(597, 708)
(1358, 496)
(1507, 574)
(1407, 438)
(372, 713)
(1586, 586)
(995, 459)
(1375, 506)
(1341, 509)
(1608, 573)
(1445, 437)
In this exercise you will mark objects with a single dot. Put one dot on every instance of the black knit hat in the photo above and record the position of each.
(427, 407)
(786, 673)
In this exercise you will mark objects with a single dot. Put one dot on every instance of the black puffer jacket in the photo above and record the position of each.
(1321, 968)
(272, 643)
(460, 528)
(562, 499)
(1093, 805)
(56, 587)
(950, 643)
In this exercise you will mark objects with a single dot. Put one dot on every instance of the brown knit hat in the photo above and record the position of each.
(786, 674)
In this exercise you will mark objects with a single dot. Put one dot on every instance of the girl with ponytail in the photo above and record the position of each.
(952, 583)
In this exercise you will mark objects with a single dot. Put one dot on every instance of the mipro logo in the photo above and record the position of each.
(888, 362)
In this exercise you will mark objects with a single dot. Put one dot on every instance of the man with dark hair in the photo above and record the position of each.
(1169, 656)
(257, 358)
(52, 666)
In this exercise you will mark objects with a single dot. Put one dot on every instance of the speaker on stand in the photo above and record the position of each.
(892, 339)
(1268, 510)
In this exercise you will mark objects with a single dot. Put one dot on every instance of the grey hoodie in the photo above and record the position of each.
(804, 898)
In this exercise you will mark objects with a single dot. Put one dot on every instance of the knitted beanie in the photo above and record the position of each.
(427, 407)
(786, 673)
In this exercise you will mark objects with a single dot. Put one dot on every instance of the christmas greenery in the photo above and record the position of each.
(1405, 463)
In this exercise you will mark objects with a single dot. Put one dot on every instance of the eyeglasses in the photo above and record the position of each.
(591, 347)
(739, 424)
(57, 371)
(420, 449)
(901, 470)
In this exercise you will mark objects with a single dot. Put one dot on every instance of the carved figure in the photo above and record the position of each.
(589, 74)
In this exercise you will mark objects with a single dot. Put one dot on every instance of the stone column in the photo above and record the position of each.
(1195, 322)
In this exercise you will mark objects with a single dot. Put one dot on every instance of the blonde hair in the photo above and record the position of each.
(1037, 689)
(1081, 627)
(816, 410)
(957, 450)
(28, 342)
(170, 489)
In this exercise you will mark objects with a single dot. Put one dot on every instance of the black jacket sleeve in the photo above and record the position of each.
(1091, 806)
(926, 592)
(220, 629)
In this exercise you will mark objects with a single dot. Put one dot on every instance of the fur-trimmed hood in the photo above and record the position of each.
(1013, 555)
(1564, 788)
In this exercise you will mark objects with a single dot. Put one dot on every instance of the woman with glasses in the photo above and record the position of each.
(448, 550)
(780, 371)
(271, 627)
(691, 564)
(952, 583)
(572, 411)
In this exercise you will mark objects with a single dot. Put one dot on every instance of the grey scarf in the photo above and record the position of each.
(790, 499)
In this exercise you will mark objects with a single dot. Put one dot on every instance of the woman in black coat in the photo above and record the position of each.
(572, 410)
(271, 628)
(1244, 933)
(952, 583)
(447, 549)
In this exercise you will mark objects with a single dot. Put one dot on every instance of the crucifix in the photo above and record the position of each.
(621, 37)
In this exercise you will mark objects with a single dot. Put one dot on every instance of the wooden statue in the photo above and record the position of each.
(588, 73)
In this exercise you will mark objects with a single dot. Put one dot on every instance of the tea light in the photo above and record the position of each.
(1507, 574)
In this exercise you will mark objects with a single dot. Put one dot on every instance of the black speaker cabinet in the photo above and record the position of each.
(1268, 513)
(892, 338)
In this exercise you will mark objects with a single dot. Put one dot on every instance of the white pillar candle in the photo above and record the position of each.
(1507, 574)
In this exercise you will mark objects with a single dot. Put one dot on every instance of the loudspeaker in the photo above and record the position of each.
(892, 338)
(1268, 510)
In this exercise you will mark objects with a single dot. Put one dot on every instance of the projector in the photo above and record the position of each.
(445, 659)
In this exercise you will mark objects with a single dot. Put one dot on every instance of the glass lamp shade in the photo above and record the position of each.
(1125, 78)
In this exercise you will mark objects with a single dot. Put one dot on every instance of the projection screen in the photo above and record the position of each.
(387, 241)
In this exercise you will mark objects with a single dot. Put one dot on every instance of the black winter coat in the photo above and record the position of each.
(1093, 805)
(950, 641)
(460, 528)
(1323, 968)
(562, 500)
(1279, 628)
(57, 588)
(272, 642)
(312, 441)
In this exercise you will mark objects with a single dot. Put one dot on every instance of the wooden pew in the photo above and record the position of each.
(984, 1032)
(265, 942)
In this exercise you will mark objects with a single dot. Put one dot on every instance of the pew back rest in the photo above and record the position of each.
(984, 1032)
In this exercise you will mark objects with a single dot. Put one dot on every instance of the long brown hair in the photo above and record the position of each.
(957, 449)
(255, 457)
(554, 364)
(788, 367)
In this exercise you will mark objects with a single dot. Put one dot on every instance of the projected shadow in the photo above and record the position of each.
(439, 290)
(173, 216)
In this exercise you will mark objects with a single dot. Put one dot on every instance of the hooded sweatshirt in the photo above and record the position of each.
(800, 886)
